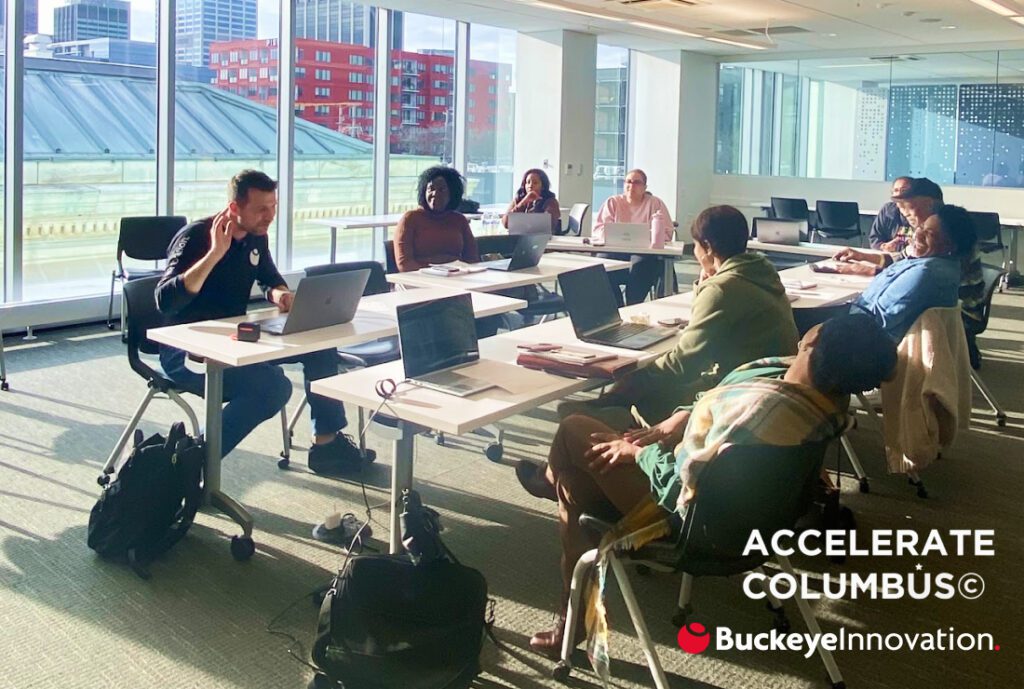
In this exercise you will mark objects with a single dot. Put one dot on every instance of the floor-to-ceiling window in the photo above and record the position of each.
(334, 111)
(610, 122)
(225, 99)
(490, 114)
(422, 103)
(89, 146)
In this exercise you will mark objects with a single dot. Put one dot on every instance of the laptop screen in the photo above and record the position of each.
(589, 299)
(437, 334)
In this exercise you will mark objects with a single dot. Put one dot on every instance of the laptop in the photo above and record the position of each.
(320, 301)
(775, 231)
(630, 234)
(437, 338)
(529, 223)
(595, 315)
(527, 254)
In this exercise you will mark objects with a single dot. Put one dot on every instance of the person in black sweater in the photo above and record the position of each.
(211, 266)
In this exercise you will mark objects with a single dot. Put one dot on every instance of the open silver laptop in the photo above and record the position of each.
(528, 252)
(320, 301)
(628, 234)
(437, 338)
(529, 223)
(774, 231)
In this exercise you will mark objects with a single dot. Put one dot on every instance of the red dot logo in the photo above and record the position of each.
(694, 638)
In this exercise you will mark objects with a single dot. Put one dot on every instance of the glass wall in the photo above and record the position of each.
(84, 167)
(610, 122)
(422, 103)
(957, 118)
(490, 114)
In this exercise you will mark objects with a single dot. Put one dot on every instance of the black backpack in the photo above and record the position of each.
(409, 621)
(152, 501)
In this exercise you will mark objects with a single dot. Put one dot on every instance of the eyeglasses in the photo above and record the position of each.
(635, 181)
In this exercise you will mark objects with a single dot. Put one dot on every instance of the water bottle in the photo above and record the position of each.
(660, 230)
(490, 222)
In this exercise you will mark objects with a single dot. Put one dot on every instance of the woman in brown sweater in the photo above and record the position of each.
(435, 232)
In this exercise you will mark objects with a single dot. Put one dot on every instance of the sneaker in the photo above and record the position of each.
(340, 456)
(344, 533)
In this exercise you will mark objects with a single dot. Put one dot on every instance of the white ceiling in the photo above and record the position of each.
(901, 26)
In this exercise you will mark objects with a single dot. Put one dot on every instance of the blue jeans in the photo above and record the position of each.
(257, 392)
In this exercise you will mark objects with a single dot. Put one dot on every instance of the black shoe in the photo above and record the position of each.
(532, 479)
(340, 456)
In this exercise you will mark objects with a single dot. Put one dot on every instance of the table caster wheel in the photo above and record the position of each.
(865, 487)
(1000, 418)
(561, 672)
(682, 614)
(835, 685)
(439, 439)
(242, 547)
(284, 462)
(5, 387)
(102, 480)
(493, 452)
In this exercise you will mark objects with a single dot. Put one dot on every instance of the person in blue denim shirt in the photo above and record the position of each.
(928, 278)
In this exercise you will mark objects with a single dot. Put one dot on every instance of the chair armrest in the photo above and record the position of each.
(589, 521)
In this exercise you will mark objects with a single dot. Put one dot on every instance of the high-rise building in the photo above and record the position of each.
(339, 21)
(200, 22)
(31, 16)
(78, 20)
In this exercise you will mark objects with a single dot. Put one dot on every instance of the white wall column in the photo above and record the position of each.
(556, 78)
(673, 136)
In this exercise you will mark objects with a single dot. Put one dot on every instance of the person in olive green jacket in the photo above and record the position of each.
(739, 313)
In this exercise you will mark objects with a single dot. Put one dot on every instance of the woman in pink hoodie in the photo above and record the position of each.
(637, 205)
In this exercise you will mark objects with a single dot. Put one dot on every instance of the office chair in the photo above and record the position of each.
(354, 356)
(141, 314)
(837, 220)
(390, 262)
(790, 209)
(576, 217)
(745, 488)
(990, 236)
(144, 238)
(993, 277)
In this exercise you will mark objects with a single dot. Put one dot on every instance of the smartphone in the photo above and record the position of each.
(671, 322)
(540, 347)
(819, 268)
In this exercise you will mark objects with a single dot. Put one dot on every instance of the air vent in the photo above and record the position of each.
(651, 3)
(896, 58)
(772, 31)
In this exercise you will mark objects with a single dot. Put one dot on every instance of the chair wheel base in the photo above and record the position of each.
(681, 615)
(561, 672)
(864, 486)
(242, 548)
(494, 451)
(1000, 418)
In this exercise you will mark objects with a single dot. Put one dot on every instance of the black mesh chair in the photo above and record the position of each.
(144, 238)
(576, 217)
(141, 314)
(837, 220)
(992, 277)
(355, 356)
(790, 209)
(390, 262)
(990, 236)
(745, 488)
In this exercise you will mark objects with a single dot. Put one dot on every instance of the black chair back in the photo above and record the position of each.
(147, 238)
(990, 275)
(838, 215)
(375, 284)
(988, 228)
(789, 209)
(390, 262)
(504, 244)
(808, 318)
(576, 217)
(746, 488)
(141, 314)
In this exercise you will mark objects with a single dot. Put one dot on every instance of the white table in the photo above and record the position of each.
(211, 340)
(519, 390)
(549, 268)
(672, 251)
(801, 249)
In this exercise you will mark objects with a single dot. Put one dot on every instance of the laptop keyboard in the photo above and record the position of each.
(623, 332)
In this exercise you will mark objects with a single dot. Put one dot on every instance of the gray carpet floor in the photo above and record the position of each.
(70, 619)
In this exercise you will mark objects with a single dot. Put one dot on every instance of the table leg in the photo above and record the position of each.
(401, 478)
(212, 494)
(1013, 277)
(334, 243)
(667, 278)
